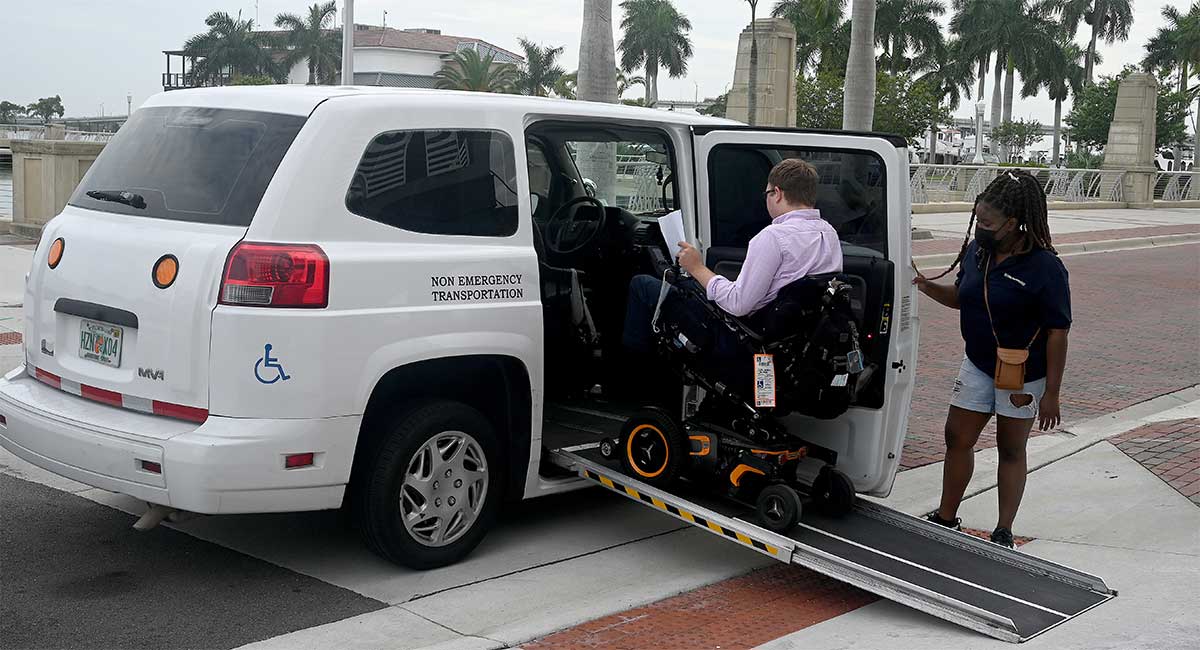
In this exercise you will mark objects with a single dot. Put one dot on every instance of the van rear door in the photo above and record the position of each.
(124, 315)
(864, 192)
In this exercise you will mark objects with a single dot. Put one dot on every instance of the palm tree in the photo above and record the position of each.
(598, 83)
(541, 73)
(949, 74)
(972, 25)
(752, 81)
(310, 39)
(1177, 45)
(908, 24)
(655, 34)
(822, 32)
(625, 82)
(858, 105)
(1060, 71)
(1110, 20)
(228, 49)
(567, 85)
(469, 71)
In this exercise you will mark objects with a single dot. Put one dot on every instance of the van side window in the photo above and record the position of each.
(851, 193)
(438, 182)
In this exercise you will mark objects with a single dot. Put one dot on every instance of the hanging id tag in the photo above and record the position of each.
(764, 380)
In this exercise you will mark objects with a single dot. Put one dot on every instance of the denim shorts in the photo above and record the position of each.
(975, 391)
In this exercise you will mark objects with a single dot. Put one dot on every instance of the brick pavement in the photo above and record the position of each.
(951, 245)
(1134, 338)
(741, 612)
(1169, 449)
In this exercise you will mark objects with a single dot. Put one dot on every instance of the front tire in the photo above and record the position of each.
(434, 487)
(653, 448)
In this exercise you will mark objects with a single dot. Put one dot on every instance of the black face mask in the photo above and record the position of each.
(987, 238)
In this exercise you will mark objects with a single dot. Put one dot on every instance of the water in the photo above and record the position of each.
(6, 206)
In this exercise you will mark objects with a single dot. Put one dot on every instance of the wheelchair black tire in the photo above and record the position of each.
(778, 508)
(833, 492)
(653, 448)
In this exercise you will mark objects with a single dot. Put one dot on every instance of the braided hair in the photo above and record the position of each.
(1018, 194)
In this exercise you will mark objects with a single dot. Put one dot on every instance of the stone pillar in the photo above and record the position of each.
(776, 75)
(45, 173)
(1131, 138)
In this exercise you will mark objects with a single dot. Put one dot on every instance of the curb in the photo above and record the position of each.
(1078, 248)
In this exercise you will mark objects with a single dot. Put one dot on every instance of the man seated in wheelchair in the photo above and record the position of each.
(723, 322)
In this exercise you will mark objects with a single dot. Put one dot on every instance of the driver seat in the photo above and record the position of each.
(568, 319)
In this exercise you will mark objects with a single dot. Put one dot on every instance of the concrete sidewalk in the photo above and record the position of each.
(954, 224)
(1098, 511)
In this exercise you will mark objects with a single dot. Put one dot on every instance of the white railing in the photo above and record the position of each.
(945, 183)
(38, 132)
(1177, 186)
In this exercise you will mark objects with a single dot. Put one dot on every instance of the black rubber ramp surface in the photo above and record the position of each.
(74, 574)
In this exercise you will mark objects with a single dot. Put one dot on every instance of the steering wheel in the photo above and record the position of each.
(566, 234)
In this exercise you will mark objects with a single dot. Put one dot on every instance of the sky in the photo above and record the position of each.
(95, 54)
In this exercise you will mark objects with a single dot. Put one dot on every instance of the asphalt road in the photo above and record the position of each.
(74, 574)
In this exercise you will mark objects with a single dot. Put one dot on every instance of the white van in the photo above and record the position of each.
(294, 298)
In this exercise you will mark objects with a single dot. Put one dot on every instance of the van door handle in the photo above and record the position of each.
(898, 365)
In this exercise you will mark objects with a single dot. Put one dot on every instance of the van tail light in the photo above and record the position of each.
(276, 275)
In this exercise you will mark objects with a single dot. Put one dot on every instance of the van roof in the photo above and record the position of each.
(301, 100)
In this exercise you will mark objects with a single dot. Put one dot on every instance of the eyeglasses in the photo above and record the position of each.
(770, 192)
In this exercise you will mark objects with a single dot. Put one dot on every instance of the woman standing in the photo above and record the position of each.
(1014, 306)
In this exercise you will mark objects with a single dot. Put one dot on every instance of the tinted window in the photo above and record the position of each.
(851, 194)
(438, 182)
(191, 164)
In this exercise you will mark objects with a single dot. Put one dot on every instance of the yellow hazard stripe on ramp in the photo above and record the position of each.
(680, 512)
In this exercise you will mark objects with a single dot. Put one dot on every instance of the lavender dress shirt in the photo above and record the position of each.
(794, 245)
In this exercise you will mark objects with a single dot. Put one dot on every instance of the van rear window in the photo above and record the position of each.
(207, 165)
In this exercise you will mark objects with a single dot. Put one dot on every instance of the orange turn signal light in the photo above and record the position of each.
(166, 269)
(56, 252)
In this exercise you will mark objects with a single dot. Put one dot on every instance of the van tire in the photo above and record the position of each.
(378, 497)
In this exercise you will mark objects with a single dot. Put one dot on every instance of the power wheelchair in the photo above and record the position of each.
(799, 354)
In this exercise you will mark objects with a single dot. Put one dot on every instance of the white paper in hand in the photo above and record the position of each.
(671, 225)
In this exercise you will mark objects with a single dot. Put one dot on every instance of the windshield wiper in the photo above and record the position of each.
(128, 198)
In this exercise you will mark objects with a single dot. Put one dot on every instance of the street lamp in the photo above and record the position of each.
(128, 104)
(978, 159)
(348, 43)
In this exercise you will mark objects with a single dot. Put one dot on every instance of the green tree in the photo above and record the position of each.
(902, 106)
(9, 112)
(907, 107)
(541, 71)
(230, 47)
(822, 33)
(625, 82)
(904, 25)
(819, 100)
(949, 76)
(717, 108)
(1018, 135)
(251, 80)
(971, 24)
(1176, 49)
(1092, 112)
(46, 108)
(655, 36)
(1060, 71)
(469, 71)
(1110, 20)
(310, 39)
(567, 85)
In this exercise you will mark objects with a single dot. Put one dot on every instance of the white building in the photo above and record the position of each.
(406, 58)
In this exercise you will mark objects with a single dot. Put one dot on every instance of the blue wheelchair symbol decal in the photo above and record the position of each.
(269, 362)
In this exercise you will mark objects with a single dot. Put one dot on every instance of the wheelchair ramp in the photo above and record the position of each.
(957, 577)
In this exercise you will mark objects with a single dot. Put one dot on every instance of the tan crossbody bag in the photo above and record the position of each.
(1010, 362)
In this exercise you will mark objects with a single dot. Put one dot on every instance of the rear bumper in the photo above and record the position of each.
(225, 465)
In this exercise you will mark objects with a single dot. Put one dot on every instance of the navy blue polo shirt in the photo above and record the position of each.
(1027, 292)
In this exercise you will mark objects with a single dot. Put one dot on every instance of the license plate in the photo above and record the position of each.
(101, 342)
